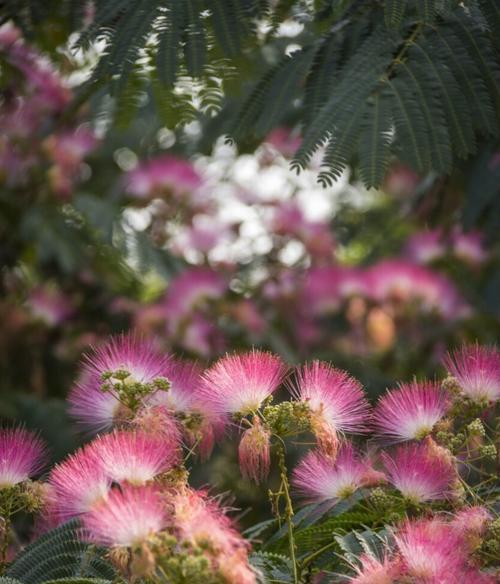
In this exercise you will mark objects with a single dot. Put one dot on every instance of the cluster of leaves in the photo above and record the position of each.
(413, 79)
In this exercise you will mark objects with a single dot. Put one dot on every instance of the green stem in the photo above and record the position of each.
(307, 560)
(4, 541)
(285, 489)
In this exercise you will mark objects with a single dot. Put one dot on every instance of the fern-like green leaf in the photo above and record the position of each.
(194, 39)
(60, 554)
(357, 80)
(458, 116)
(267, 103)
(170, 26)
(375, 140)
(272, 568)
(394, 11)
(448, 45)
(411, 141)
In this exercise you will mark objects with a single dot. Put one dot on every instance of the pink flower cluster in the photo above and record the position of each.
(430, 551)
(425, 247)
(39, 97)
(394, 283)
(128, 486)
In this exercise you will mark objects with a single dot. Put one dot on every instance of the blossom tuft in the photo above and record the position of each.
(239, 383)
(320, 478)
(375, 571)
(96, 409)
(78, 483)
(22, 455)
(431, 551)
(477, 370)
(135, 457)
(336, 402)
(410, 412)
(127, 517)
(420, 472)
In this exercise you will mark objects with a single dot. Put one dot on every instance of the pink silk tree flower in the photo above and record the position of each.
(89, 404)
(185, 382)
(254, 452)
(22, 455)
(164, 174)
(336, 401)
(129, 353)
(201, 522)
(191, 289)
(431, 551)
(424, 247)
(78, 483)
(410, 412)
(135, 457)
(319, 478)
(93, 409)
(128, 517)
(420, 472)
(477, 370)
(239, 383)
(374, 571)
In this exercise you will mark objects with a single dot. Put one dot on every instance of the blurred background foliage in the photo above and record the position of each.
(206, 247)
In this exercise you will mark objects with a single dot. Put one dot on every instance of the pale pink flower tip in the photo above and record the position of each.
(78, 483)
(135, 457)
(410, 412)
(320, 478)
(127, 517)
(477, 370)
(22, 455)
(420, 473)
(239, 383)
(336, 401)
(375, 571)
(97, 410)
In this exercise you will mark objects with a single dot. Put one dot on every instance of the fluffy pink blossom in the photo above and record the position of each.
(336, 401)
(420, 472)
(471, 520)
(190, 289)
(320, 478)
(431, 552)
(184, 396)
(134, 457)
(22, 455)
(469, 247)
(78, 483)
(127, 517)
(374, 571)
(254, 452)
(201, 522)
(426, 246)
(50, 305)
(97, 410)
(404, 282)
(239, 383)
(411, 411)
(326, 288)
(164, 174)
(477, 370)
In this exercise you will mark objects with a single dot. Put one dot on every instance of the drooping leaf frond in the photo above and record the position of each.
(367, 82)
